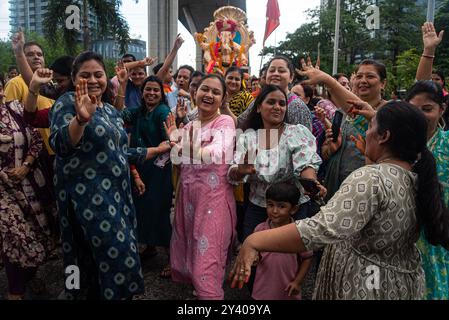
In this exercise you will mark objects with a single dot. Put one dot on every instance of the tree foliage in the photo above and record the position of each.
(441, 23)
(51, 50)
(400, 31)
(111, 24)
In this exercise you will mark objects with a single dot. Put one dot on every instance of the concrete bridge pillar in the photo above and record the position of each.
(162, 28)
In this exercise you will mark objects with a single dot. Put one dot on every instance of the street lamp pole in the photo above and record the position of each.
(431, 10)
(337, 37)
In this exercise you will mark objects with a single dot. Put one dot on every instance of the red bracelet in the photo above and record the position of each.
(80, 122)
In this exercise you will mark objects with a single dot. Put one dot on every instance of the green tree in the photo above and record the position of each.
(442, 23)
(51, 50)
(400, 29)
(6, 56)
(407, 63)
(111, 24)
(355, 39)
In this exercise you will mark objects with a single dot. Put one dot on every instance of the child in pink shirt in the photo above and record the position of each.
(279, 275)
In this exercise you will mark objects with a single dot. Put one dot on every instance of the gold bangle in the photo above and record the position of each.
(121, 96)
(428, 56)
(33, 93)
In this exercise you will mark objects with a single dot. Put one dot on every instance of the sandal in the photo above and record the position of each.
(149, 252)
(15, 297)
(166, 273)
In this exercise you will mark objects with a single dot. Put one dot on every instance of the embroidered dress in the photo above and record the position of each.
(368, 231)
(25, 232)
(205, 217)
(95, 202)
(436, 259)
(295, 152)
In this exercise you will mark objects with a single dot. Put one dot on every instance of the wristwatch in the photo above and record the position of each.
(27, 164)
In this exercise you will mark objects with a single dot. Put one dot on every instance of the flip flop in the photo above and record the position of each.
(166, 273)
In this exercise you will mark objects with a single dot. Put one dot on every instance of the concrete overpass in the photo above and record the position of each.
(195, 15)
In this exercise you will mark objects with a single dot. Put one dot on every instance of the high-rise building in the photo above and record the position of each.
(29, 14)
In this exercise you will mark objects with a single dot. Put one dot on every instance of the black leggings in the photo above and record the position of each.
(17, 276)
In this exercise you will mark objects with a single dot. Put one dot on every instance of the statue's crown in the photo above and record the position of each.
(226, 25)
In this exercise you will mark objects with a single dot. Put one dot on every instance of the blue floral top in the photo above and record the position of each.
(95, 204)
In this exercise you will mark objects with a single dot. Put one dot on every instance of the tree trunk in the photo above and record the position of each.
(86, 37)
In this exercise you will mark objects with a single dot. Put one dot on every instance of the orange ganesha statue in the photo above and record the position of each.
(226, 42)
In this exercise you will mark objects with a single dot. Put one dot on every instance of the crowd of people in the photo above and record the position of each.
(213, 166)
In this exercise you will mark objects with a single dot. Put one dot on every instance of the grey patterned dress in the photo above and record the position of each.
(369, 230)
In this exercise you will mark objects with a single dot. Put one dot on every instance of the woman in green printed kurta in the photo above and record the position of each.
(429, 98)
(153, 204)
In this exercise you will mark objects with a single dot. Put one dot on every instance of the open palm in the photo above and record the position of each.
(18, 42)
(84, 104)
(430, 37)
(121, 72)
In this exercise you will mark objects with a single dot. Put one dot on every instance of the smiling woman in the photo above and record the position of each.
(283, 153)
(152, 184)
(205, 217)
(95, 202)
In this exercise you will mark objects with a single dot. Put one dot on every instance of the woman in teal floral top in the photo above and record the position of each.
(429, 98)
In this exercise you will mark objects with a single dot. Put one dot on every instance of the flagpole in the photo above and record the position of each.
(431, 10)
(337, 38)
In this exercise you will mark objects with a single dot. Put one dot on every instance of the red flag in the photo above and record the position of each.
(273, 14)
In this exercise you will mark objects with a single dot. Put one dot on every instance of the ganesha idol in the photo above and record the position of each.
(226, 41)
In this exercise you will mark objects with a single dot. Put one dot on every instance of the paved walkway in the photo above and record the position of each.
(156, 288)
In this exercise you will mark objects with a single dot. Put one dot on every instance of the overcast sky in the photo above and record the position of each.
(293, 14)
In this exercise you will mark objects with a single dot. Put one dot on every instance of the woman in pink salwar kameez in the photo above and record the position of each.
(205, 219)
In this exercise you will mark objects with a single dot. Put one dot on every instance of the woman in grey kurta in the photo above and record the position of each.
(370, 227)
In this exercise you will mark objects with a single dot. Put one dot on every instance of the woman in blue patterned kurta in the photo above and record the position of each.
(429, 98)
(93, 186)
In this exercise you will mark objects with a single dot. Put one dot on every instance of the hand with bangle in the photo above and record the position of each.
(139, 185)
(85, 105)
(431, 40)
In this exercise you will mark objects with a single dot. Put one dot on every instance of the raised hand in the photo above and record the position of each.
(314, 74)
(431, 39)
(178, 42)
(333, 146)
(181, 109)
(18, 42)
(360, 143)
(41, 76)
(85, 105)
(361, 108)
(320, 113)
(149, 61)
(121, 72)
(170, 126)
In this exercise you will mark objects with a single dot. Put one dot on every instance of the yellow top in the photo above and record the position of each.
(16, 89)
